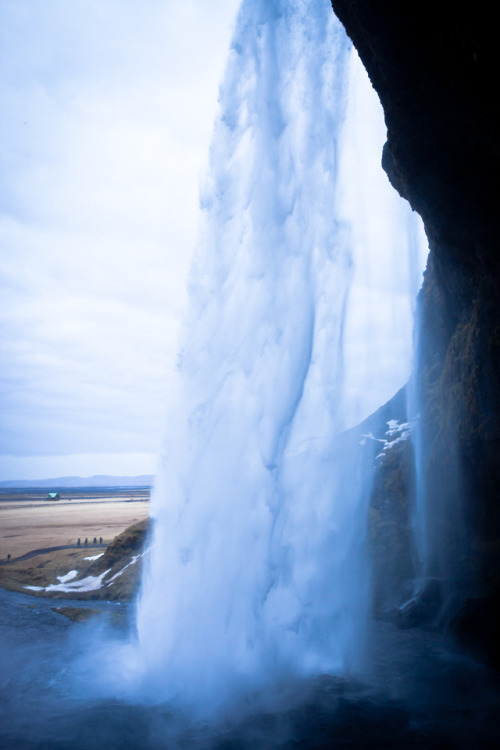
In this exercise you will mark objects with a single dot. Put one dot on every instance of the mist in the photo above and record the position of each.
(300, 325)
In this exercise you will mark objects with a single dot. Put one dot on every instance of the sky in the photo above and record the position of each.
(106, 114)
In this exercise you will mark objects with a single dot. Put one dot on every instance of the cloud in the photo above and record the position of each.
(107, 116)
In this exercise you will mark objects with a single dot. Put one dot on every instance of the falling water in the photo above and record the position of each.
(299, 326)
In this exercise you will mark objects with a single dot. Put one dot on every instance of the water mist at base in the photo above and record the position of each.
(299, 326)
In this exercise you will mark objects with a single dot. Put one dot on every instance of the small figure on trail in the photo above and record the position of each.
(86, 541)
(78, 542)
(100, 540)
(95, 540)
(8, 556)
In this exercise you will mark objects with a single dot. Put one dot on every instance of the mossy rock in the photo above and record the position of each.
(118, 556)
(389, 527)
(127, 544)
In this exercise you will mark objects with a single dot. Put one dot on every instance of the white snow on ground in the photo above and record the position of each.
(132, 562)
(368, 436)
(395, 428)
(90, 583)
(397, 431)
(68, 577)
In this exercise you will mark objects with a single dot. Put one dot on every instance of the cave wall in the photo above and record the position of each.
(434, 66)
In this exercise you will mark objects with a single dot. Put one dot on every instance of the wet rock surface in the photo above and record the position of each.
(417, 692)
(423, 608)
(434, 66)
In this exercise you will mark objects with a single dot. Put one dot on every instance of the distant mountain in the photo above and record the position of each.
(99, 480)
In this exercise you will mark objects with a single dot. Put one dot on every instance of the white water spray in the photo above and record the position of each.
(300, 324)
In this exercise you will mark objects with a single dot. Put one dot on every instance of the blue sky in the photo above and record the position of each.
(106, 117)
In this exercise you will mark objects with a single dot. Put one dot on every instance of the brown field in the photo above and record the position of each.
(29, 523)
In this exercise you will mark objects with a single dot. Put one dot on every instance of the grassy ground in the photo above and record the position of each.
(43, 569)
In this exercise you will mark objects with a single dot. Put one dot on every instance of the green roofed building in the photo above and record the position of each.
(53, 496)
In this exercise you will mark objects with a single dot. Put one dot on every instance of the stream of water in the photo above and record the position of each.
(300, 325)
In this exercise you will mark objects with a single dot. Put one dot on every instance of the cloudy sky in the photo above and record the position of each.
(106, 114)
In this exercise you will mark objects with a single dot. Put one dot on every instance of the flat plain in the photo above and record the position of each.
(28, 521)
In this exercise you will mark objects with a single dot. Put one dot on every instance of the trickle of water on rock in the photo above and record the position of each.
(299, 325)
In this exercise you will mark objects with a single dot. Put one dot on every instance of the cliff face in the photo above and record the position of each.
(433, 65)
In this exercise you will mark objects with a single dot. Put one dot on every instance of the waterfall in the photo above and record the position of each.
(299, 325)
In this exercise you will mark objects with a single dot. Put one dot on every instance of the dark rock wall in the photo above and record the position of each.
(389, 529)
(385, 439)
(434, 66)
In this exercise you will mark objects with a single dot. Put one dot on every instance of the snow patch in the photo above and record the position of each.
(68, 577)
(90, 583)
(397, 432)
(120, 572)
